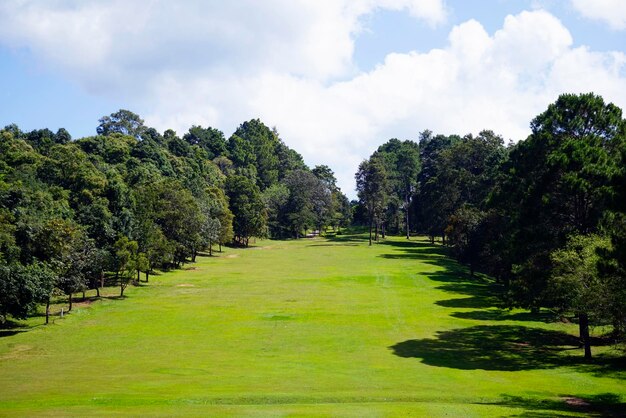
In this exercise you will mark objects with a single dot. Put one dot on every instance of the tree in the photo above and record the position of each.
(559, 184)
(123, 122)
(248, 209)
(127, 259)
(307, 203)
(209, 139)
(575, 283)
(254, 144)
(433, 206)
(372, 188)
(403, 166)
(23, 287)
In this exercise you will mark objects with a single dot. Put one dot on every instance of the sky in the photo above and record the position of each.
(337, 78)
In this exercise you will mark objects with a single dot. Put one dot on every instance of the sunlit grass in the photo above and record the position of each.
(308, 327)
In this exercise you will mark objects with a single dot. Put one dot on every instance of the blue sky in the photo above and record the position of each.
(336, 77)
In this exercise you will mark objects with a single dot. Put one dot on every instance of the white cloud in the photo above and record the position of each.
(612, 12)
(290, 63)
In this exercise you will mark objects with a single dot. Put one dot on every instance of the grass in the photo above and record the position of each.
(310, 327)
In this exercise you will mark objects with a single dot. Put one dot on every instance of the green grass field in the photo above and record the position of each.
(310, 327)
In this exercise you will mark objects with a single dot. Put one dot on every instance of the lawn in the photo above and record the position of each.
(309, 327)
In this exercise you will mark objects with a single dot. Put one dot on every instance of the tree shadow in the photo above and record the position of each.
(10, 327)
(356, 238)
(505, 315)
(600, 405)
(347, 244)
(498, 347)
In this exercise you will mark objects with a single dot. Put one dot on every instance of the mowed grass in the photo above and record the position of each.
(311, 327)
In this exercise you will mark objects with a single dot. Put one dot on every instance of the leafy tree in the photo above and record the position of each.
(254, 144)
(209, 139)
(575, 283)
(403, 166)
(308, 202)
(372, 187)
(23, 287)
(248, 209)
(123, 122)
(559, 183)
(127, 259)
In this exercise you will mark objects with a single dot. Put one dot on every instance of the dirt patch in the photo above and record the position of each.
(18, 351)
(232, 256)
(185, 285)
(574, 401)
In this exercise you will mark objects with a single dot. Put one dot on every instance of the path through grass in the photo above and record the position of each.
(309, 327)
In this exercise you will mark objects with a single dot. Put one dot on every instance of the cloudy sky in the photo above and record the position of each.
(336, 77)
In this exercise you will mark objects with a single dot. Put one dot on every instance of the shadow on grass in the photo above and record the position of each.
(505, 315)
(9, 328)
(507, 348)
(347, 244)
(600, 405)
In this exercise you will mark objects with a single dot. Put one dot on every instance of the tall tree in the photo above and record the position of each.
(372, 187)
(247, 207)
(559, 181)
(123, 122)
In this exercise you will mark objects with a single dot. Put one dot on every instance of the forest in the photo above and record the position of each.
(131, 200)
(545, 217)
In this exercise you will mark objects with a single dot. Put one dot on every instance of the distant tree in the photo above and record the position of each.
(372, 186)
(123, 122)
(127, 259)
(403, 166)
(308, 202)
(209, 139)
(254, 144)
(248, 209)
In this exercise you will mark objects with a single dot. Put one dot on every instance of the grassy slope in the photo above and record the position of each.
(305, 327)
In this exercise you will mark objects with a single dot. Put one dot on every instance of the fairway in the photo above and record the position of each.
(322, 327)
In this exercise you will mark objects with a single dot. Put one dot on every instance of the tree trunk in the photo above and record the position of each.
(371, 231)
(376, 233)
(382, 229)
(70, 296)
(47, 310)
(583, 325)
(121, 290)
(220, 247)
(97, 292)
(210, 248)
(84, 295)
(101, 280)
(146, 276)
(408, 233)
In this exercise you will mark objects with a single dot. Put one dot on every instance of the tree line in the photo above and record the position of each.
(546, 217)
(76, 214)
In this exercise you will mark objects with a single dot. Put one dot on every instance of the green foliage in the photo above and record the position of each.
(372, 185)
(559, 183)
(23, 287)
(575, 282)
(122, 122)
(247, 206)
